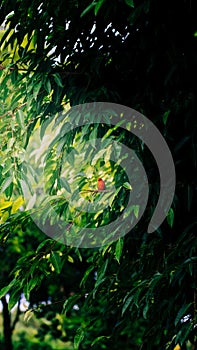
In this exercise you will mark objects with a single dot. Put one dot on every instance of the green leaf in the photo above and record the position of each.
(170, 217)
(165, 117)
(118, 250)
(26, 291)
(10, 143)
(48, 86)
(78, 338)
(127, 186)
(98, 6)
(20, 117)
(101, 274)
(25, 185)
(106, 248)
(126, 304)
(56, 261)
(34, 282)
(181, 313)
(145, 310)
(103, 269)
(70, 302)
(99, 339)
(58, 80)
(7, 167)
(136, 209)
(86, 275)
(6, 289)
(42, 244)
(64, 183)
(130, 3)
(5, 184)
(79, 255)
(70, 157)
(36, 90)
(44, 126)
(14, 298)
(88, 8)
(183, 334)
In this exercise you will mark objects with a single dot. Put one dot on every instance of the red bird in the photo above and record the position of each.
(100, 184)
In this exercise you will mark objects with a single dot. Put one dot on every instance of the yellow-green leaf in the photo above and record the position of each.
(17, 204)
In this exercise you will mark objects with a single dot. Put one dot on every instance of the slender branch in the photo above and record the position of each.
(2, 67)
(5, 114)
(13, 111)
(96, 191)
(35, 309)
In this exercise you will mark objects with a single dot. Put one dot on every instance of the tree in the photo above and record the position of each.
(88, 52)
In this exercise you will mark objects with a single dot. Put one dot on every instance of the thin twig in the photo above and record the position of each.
(96, 191)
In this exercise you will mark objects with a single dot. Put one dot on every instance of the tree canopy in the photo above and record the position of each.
(138, 292)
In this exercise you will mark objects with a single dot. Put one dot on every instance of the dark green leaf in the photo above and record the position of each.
(14, 298)
(78, 338)
(126, 304)
(58, 80)
(170, 217)
(56, 261)
(99, 339)
(98, 6)
(88, 8)
(118, 250)
(130, 3)
(47, 242)
(181, 313)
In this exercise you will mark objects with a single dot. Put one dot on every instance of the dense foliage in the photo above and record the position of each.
(135, 292)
